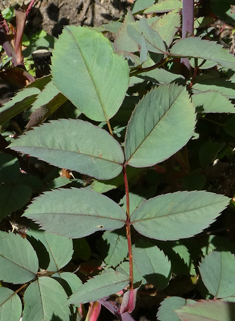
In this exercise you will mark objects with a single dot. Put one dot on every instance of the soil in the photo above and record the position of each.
(52, 15)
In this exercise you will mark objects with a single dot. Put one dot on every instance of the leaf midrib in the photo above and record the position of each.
(175, 213)
(160, 119)
(91, 77)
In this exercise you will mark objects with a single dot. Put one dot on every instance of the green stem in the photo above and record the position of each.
(212, 121)
(128, 228)
(140, 69)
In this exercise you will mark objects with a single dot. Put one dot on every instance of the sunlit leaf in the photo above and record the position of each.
(167, 25)
(76, 145)
(177, 215)
(164, 6)
(198, 48)
(217, 273)
(18, 103)
(18, 260)
(9, 299)
(47, 102)
(140, 5)
(45, 299)
(116, 245)
(95, 78)
(152, 264)
(99, 287)
(75, 212)
(166, 311)
(54, 251)
(212, 102)
(207, 311)
(160, 125)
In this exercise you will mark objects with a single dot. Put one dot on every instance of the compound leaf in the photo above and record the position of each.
(76, 145)
(95, 78)
(18, 260)
(177, 215)
(75, 212)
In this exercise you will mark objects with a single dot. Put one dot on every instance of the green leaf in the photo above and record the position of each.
(10, 305)
(163, 6)
(217, 271)
(153, 39)
(208, 152)
(81, 249)
(9, 168)
(70, 282)
(18, 260)
(18, 103)
(177, 215)
(225, 88)
(116, 245)
(167, 26)
(160, 75)
(13, 197)
(75, 212)
(98, 287)
(140, 5)
(75, 145)
(57, 250)
(47, 102)
(212, 102)
(124, 268)
(198, 48)
(135, 201)
(160, 125)
(95, 78)
(207, 311)
(166, 311)
(152, 264)
(45, 299)
(40, 83)
(123, 41)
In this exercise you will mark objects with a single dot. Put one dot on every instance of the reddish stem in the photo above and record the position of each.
(128, 228)
(188, 24)
(30, 7)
